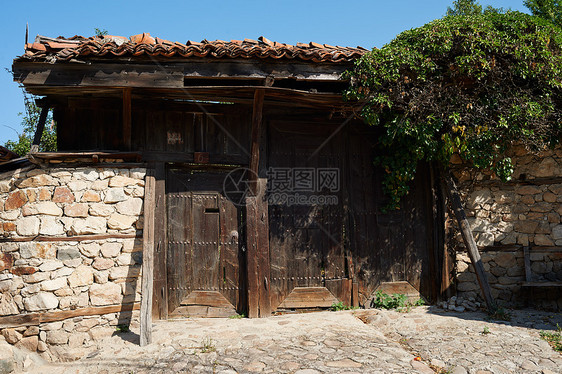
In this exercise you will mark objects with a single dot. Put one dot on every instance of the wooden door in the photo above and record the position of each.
(307, 241)
(203, 256)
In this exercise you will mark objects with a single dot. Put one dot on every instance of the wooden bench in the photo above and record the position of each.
(529, 282)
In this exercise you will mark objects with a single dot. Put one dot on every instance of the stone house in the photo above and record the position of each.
(215, 178)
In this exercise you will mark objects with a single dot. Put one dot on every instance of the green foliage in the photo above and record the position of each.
(29, 124)
(467, 85)
(385, 301)
(553, 338)
(122, 328)
(208, 345)
(499, 314)
(238, 316)
(464, 8)
(100, 32)
(336, 307)
(550, 10)
(485, 330)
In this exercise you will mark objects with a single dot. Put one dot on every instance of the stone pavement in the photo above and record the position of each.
(361, 341)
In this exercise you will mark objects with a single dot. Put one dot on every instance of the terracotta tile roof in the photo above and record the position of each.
(108, 46)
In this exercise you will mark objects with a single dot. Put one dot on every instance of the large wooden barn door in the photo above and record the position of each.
(203, 257)
(307, 241)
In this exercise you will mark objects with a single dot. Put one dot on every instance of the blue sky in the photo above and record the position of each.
(347, 23)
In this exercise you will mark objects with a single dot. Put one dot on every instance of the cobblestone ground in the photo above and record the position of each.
(363, 341)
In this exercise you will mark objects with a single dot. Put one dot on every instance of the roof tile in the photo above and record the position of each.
(108, 46)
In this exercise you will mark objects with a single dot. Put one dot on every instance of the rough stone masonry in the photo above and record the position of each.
(48, 262)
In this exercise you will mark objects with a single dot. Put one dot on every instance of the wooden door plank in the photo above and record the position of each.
(127, 124)
(309, 297)
(208, 298)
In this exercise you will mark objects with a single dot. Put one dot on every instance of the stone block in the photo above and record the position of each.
(90, 250)
(11, 335)
(28, 226)
(76, 210)
(124, 272)
(68, 253)
(53, 284)
(86, 174)
(90, 225)
(111, 249)
(45, 208)
(527, 190)
(7, 305)
(41, 301)
(543, 240)
(105, 294)
(38, 181)
(63, 195)
(131, 207)
(50, 226)
(120, 222)
(101, 209)
(82, 276)
(30, 343)
(102, 264)
(91, 196)
(57, 337)
(115, 195)
(15, 200)
(526, 226)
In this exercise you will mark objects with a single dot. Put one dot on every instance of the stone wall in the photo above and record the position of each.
(69, 239)
(504, 218)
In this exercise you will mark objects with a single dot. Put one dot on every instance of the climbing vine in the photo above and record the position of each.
(471, 85)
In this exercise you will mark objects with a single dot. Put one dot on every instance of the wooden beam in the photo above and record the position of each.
(147, 259)
(39, 130)
(34, 319)
(469, 242)
(127, 131)
(256, 138)
(77, 238)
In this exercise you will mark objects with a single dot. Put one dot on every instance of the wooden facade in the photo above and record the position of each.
(194, 122)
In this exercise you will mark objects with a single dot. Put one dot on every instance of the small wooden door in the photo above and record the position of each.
(203, 256)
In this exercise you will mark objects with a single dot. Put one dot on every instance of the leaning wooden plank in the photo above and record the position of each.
(469, 242)
(147, 260)
(251, 257)
(33, 319)
(39, 129)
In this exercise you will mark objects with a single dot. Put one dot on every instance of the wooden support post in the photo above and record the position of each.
(39, 130)
(469, 242)
(256, 137)
(160, 296)
(258, 262)
(127, 118)
(147, 259)
(257, 222)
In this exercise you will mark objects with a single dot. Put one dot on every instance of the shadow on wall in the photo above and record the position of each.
(507, 278)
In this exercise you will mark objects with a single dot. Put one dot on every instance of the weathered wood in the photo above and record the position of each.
(258, 259)
(160, 293)
(78, 238)
(202, 311)
(256, 138)
(355, 295)
(400, 287)
(33, 319)
(147, 259)
(127, 118)
(309, 297)
(469, 242)
(39, 130)
(541, 284)
(208, 298)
